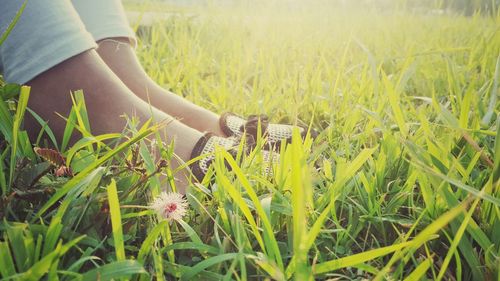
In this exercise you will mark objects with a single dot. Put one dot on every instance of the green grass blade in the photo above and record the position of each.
(41, 267)
(116, 221)
(3, 176)
(147, 244)
(6, 121)
(18, 118)
(395, 103)
(45, 127)
(273, 249)
(352, 260)
(495, 92)
(114, 271)
(190, 232)
(270, 268)
(7, 267)
(349, 172)
(427, 233)
(68, 129)
(158, 264)
(456, 240)
(202, 248)
(496, 167)
(87, 141)
(55, 226)
(81, 113)
(12, 23)
(16, 237)
(471, 190)
(299, 218)
(207, 263)
(238, 200)
(74, 181)
(420, 271)
(178, 270)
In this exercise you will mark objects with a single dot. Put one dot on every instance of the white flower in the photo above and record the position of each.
(170, 205)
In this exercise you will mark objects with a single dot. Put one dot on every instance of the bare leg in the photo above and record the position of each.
(121, 58)
(107, 98)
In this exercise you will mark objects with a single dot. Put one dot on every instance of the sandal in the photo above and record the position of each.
(233, 125)
(206, 146)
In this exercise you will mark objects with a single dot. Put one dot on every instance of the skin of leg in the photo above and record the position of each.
(107, 99)
(120, 57)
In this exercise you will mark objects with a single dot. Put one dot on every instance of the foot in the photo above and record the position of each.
(234, 125)
(204, 152)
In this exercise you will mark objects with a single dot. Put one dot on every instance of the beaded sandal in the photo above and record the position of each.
(233, 125)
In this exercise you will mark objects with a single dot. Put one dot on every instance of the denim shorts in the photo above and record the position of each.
(49, 32)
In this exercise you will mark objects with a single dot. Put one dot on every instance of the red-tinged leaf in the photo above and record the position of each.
(50, 155)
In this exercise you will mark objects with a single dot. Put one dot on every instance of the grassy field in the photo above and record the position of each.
(402, 183)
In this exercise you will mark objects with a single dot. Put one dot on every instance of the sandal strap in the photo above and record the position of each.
(233, 125)
(251, 126)
(196, 168)
(206, 146)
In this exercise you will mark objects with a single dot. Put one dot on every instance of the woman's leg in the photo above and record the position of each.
(121, 58)
(107, 22)
(107, 100)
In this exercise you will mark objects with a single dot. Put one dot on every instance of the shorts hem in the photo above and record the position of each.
(112, 31)
(46, 59)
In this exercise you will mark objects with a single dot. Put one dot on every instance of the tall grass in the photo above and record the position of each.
(402, 183)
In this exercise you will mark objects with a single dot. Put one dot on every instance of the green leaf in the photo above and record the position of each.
(41, 267)
(116, 220)
(87, 142)
(495, 92)
(347, 174)
(238, 200)
(114, 270)
(395, 103)
(300, 182)
(358, 258)
(456, 240)
(177, 270)
(6, 263)
(427, 233)
(272, 249)
(55, 227)
(144, 132)
(45, 128)
(420, 271)
(202, 248)
(147, 244)
(12, 23)
(16, 237)
(207, 263)
(15, 142)
(10, 91)
(496, 167)
(471, 190)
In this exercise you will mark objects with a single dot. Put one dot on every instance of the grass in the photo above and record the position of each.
(401, 184)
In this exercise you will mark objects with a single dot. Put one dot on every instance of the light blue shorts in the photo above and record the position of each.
(52, 31)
